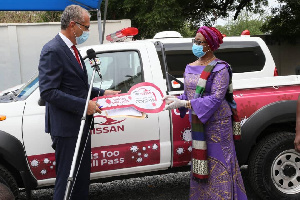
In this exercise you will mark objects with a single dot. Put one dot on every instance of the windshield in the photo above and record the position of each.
(28, 88)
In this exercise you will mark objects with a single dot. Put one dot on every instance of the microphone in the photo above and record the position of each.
(94, 61)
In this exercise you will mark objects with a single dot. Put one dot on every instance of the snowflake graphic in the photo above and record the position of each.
(190, 148)
(187, 135)
(190, 163)
(149, 147)
(43, 172)
(139, 154)
(54, 163)
(155, 147)
(180, 150)
(134, 149)
(146, 155)
(51, 167)
(132, 157)
(34, 163)
(139, 160)
(243, 120)
(144, 148)
(46, 161)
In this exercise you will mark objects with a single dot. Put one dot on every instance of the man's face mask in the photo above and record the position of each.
(81, 39)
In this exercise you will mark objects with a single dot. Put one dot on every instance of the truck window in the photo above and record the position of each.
(178, 56)
(120, 70)
(243, 56)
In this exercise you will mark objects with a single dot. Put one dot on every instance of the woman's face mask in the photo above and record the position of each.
(198, 50)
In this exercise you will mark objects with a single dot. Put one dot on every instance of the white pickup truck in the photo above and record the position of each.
(162, 141)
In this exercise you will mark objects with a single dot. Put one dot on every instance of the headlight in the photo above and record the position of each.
(2, 117)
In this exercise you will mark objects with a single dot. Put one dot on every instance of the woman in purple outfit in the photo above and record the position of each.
(215, 172)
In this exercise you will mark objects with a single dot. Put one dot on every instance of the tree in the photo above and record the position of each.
(151, 16)
(29, 16)
(285, 23)
(243, 22)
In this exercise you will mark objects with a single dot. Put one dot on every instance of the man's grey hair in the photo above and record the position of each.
(72, 13)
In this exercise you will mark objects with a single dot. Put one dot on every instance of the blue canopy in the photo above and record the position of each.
(46, 5)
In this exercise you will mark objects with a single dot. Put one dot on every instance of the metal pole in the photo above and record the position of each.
(83, 119)
(99, 25)
(164, 58)
(104, 20)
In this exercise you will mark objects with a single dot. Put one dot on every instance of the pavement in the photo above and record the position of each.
(172, 186)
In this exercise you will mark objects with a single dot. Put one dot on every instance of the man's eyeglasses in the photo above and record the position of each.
(86, 27)
(198, 42)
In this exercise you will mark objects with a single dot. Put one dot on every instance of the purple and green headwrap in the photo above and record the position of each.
(212, 35)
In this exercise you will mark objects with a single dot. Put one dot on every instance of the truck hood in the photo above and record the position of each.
(10, 94)
(13, 110)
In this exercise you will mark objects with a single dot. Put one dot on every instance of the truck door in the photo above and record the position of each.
(124, 143)
(37, 143)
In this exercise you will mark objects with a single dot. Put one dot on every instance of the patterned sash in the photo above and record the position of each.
(199, 153)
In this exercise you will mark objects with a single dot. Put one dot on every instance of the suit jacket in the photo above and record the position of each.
(64, 86)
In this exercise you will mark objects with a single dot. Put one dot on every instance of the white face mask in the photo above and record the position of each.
(81, 39)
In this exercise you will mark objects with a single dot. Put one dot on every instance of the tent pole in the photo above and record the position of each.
(99, 26)
(104, 20)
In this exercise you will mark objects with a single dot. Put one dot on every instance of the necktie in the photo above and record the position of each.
(76, 55)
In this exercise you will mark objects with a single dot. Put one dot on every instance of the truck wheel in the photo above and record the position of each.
(8, 180)
(274, 167)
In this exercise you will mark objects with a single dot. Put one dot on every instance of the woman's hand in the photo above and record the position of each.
(169, 99)
(177, 103)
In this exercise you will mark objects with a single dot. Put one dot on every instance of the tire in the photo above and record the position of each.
(7, 179)
(274, 168)
(5, 193)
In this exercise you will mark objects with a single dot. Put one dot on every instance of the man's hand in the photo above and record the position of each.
(111, 92)
(93, 108)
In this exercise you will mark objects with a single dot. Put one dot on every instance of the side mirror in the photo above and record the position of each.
(41, 102)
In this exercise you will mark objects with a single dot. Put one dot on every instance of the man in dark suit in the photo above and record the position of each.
(63, 84)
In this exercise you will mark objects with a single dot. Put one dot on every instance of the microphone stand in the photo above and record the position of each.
(83, 120)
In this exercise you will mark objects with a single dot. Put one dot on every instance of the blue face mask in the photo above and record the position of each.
(198, 50)
(81, 39)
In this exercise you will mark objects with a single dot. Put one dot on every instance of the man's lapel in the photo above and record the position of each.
(81, 72)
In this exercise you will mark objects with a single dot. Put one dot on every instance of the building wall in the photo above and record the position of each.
(286, 55)
(21, 45)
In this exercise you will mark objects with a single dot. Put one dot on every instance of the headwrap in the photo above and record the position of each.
(212, 35)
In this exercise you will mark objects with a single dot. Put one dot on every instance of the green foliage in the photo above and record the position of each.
(29, 16)
(152, 16)
(52, 16)
(243, 22)
(285, 23)
(187, 30)
(149, 17)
